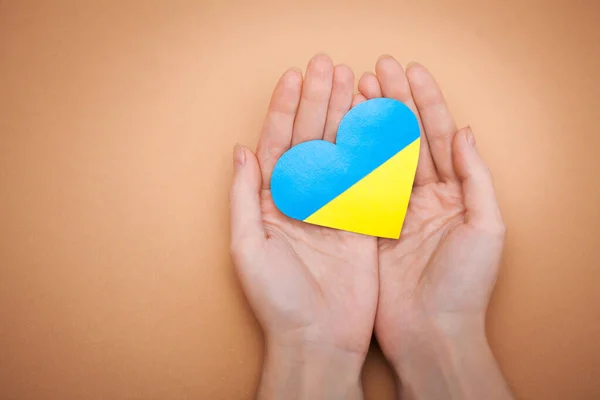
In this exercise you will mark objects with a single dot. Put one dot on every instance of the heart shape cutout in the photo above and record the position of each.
(360, 184)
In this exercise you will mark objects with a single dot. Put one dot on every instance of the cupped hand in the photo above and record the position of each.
(313, 289)
(436, 280)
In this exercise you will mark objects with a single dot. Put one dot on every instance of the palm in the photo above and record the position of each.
(435, 214)
(308, 282)
(427, 250)
(444, 264)
(413, 283)
(328, 277)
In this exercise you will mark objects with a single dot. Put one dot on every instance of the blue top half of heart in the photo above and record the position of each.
(313, 173)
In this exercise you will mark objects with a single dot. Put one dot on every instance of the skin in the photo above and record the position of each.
(306, 284)
(437, 279)
(318, 293)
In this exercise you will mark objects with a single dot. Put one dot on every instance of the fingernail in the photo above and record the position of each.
(470, 137)
(239, 156)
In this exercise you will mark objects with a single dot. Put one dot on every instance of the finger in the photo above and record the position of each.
(437, 120)
(340, 101)
(394, 85)
(279, 123)
(247, 231)
(358, 98)
(478, 188)
(314, 102)
(368, 85)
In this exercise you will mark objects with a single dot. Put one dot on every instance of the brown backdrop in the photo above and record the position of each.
(117, 120)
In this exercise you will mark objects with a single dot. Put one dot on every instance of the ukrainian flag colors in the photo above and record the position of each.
(373, 206)
(362, 183)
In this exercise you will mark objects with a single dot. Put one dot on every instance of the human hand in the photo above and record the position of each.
(313, 289)
(436, 280)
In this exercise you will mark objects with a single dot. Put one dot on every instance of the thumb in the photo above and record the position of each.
(247, 230)
(477, 184)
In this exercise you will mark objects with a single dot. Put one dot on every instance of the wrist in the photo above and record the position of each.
(310, 371)
(439, 337)
(449, 359)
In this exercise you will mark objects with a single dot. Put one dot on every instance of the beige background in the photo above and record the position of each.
(117, 120)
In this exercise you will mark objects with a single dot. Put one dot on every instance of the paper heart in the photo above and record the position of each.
(360, 184)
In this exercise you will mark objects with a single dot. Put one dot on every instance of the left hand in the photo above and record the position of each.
(313, 289)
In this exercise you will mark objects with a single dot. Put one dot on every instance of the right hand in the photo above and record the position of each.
(437, 279)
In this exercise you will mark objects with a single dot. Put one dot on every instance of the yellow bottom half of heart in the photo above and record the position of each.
(377, 204)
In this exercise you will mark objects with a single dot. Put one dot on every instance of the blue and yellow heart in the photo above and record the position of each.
(360, 184)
